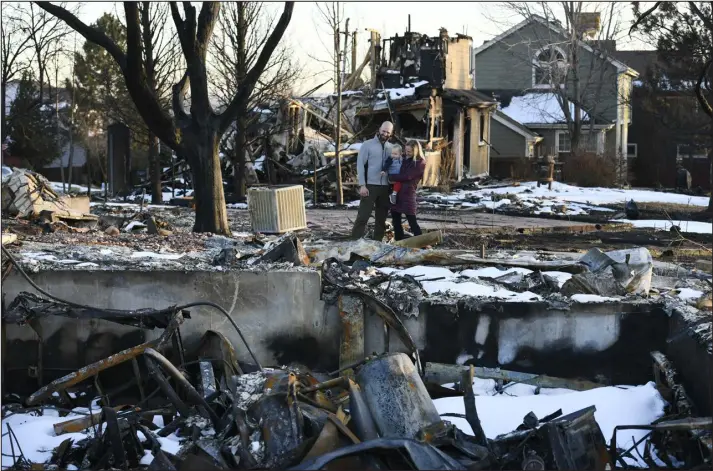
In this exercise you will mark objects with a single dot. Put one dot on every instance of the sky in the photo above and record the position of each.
(308, 38)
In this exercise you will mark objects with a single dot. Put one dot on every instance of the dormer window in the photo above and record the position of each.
(549, 68)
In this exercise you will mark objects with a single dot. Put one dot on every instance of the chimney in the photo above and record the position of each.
(589, 24)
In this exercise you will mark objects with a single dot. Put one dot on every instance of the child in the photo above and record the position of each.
(392, 166)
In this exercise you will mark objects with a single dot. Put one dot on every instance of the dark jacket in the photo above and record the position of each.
(411, 173)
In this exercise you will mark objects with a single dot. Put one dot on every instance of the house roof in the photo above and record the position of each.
(640, 61)
(620, 66)
(538, 108)
(468, 97)
(507, 121)
(78, 160)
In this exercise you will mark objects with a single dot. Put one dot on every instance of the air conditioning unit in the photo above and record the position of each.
(277, 209)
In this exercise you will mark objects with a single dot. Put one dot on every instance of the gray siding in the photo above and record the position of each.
(548, 146)
(506, 141)
(507, 65)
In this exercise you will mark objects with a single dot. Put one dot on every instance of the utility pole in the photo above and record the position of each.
(354, 52)
(70, 163)
(56, 110)
(338, 131)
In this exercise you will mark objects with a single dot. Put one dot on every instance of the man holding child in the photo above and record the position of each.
(380, 163)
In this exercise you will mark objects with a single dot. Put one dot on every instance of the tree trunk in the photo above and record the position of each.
(202, 149)
(239, 157)
(241, 124)
(2, 117)
(710, 161)
(70, 162)
(155, 170)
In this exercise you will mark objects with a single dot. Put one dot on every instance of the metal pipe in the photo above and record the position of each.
(193, 395)
(163, 384)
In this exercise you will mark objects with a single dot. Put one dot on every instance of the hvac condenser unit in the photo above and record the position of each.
(277, 209)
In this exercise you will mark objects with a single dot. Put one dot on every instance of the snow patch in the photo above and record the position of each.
(538, 108)
(162, 256)
(665, 225)
(615, 406)
(591, 298)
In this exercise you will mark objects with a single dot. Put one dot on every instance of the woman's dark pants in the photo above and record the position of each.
(398, 228)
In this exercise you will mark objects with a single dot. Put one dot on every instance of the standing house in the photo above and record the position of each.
(670, 128)
(528, 69)
(424, 85)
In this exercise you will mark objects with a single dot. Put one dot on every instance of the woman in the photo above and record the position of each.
(412, 168)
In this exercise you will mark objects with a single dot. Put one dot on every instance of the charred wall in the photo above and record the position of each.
(694, 362)
(279, 312)
(588, 340)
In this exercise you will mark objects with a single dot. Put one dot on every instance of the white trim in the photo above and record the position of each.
(509, 125)
(601, 142)
(680, 156)
(620, 66)
(557, 143)
(534, 63)
(636, 149)
(532, 142)
(500, 37)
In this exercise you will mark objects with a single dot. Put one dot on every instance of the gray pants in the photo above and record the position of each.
(378, 200)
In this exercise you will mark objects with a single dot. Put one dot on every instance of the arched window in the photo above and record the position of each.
(549, 67)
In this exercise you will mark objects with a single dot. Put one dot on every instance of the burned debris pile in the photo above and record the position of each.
(228, 415)
(28, 195)
(198, 407)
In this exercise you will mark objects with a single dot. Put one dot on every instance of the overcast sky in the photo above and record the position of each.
(307, 34)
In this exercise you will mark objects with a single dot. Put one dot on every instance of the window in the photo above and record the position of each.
(632, 150)
(587, 142)
(564, 144)
(549, 68)
(482, 128)
(685, 151)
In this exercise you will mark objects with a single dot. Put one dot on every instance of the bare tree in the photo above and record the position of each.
(194, 135)
(15, 43)
(161, 61)
(243, 33)
(47, 37)
(332, 15)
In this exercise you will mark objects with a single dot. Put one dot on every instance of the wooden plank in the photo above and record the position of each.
(8, 238)
(439, 373)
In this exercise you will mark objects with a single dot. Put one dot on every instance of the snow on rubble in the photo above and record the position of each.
(538, 108)
(500, 413)
(662, 224)
(37, 439)
(563, 198)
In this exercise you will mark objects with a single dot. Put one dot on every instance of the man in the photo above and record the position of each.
(374, 187)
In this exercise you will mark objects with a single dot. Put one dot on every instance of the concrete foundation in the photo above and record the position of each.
(284, 320)
(279, 312)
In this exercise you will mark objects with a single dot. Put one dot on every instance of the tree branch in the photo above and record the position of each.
(206, 23)
(643, 16)
(707, 109)
(179, 91)
(246, 87)
(705, 19)
(89, 33)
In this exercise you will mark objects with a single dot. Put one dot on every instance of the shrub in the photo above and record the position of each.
(589, 169)
(523, 169)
